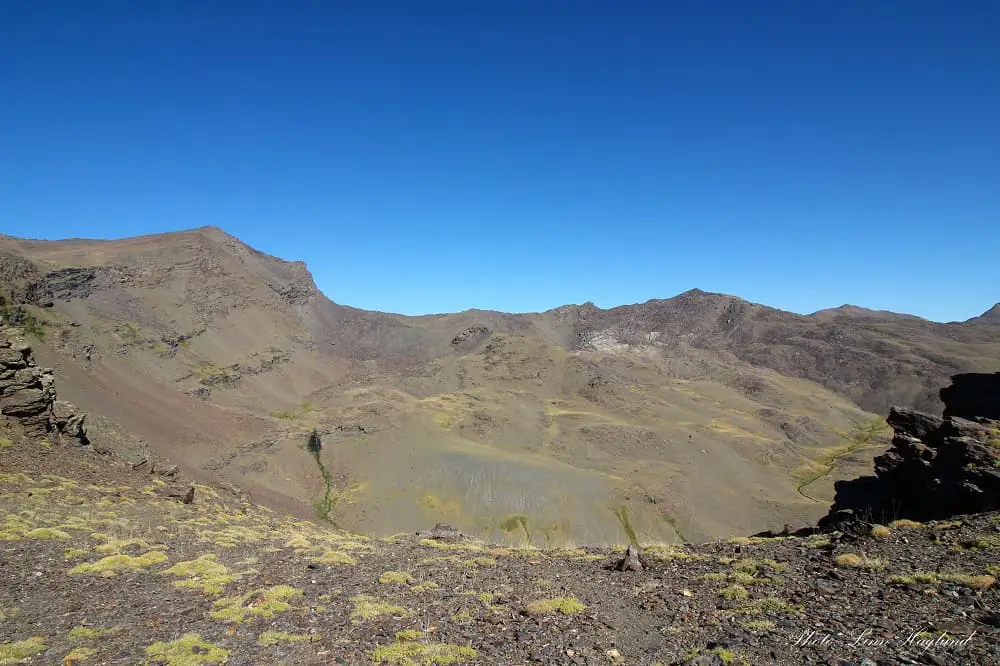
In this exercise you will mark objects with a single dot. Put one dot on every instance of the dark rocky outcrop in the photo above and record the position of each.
(474, 333)
(938, 467)
(28, 395)
(973, 395)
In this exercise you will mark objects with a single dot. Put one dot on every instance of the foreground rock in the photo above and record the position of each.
(28, 394)
(937, 467)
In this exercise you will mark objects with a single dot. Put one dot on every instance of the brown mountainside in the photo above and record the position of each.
(704, 415)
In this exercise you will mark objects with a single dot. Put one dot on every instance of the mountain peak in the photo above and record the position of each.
(991, 316)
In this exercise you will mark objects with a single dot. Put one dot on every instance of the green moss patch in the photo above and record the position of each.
(411, 653)
(395, 578)
(331, 556)
(188, 650)
(204, 574)
(276, 637)
(367, 607)
(82, 633)
(266, 602)
(113, 564)
(17, 651)
(47, 533)
(564, 605)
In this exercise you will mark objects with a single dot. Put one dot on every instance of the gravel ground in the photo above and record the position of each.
(104, 565)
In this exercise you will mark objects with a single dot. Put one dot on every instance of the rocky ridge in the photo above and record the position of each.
(937, 467)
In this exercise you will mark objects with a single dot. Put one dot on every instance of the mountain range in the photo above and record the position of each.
(689, 418)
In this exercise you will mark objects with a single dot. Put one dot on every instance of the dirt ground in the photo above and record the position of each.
(101, 564)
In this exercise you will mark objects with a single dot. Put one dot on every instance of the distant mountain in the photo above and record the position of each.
(991, 316)
(704, 414)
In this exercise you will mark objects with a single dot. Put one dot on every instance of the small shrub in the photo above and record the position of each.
(275, 637)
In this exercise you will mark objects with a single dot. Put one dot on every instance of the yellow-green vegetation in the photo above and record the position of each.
(989, 542)
(204, 574)
(409, 635)
(188, 650)
(113, 564)
(768, 606)
(5, 443)
(114, 544)
(443, 545)
(750, 565)
(758, 625)
(666, 553)
(564, 605)
(817, 541)
(480, 562)
(714, 577)
(16, 652)
(407, 652)
(855, 561)
(423, 587)
(367, 607)
(905, 524)
(75, 553)
(82, 633)
(276, 637)
(78, 654)
(980, 582)
(735, 593)
(881, 531)
(331, 556)
(395, 578)
(621, 513)
(265, 602)
(724, 656)
(46, 533)
(862, 435)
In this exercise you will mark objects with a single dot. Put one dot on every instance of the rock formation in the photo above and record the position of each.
(28, 395)
(938, 467)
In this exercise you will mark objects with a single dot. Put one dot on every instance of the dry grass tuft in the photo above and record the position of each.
(564, 605)
(855, 561)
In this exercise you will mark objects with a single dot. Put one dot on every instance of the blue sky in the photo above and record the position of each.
(428, 156)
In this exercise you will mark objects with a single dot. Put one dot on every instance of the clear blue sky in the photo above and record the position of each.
(430, 156)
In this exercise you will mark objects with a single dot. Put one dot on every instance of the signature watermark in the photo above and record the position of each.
(917, 640)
